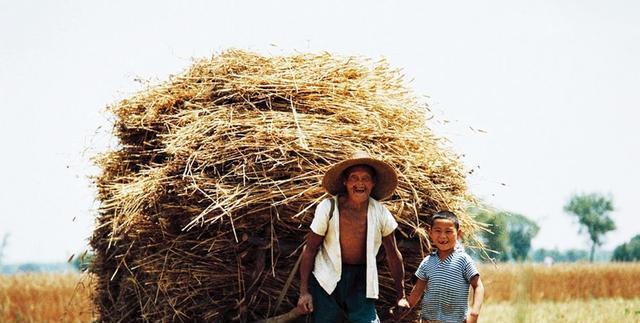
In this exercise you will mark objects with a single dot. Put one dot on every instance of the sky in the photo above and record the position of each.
(553, 85)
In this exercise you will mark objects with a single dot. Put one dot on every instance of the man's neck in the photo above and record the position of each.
(355, 205)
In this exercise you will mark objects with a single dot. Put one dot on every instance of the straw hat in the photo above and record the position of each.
(386, 177)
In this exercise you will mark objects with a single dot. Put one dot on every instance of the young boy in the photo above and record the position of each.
(446, 275)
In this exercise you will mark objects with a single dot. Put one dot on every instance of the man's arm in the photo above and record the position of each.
(394, 259)
(478, 298)
(305, 301)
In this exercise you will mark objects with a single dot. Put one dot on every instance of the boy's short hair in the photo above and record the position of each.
(445, 215)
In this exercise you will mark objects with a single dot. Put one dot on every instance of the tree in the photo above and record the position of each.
(83, 262)
(508, 234)
(592, 211)
(628, 251)
(29, 268)
(496, 239)
(571, 255)
(521, 232)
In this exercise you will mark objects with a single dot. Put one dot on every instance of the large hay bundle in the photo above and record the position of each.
(205, 204)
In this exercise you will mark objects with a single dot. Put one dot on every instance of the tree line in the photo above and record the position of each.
(507, 235)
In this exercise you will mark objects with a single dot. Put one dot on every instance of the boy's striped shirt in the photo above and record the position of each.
(446, 296)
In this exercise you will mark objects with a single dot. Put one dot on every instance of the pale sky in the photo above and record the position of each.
(555, 85)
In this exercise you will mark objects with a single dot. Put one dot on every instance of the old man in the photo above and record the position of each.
(338, 272)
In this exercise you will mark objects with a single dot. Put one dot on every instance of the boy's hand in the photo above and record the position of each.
(472, 317)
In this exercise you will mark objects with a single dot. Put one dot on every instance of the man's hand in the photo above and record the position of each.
(403, 303)
(401, 309)
(305, 303)
(472, 317)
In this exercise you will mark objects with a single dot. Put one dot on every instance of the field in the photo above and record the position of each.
(562, 293)
(45, 298)
(515, 293)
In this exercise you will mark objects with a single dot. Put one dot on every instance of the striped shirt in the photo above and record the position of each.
(446, 295)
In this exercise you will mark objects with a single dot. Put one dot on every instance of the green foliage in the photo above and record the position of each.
(83, 261)
(592, 211)
(497, 239)
(29, 267)
(571, 255)
(628, 251)
(521, 232)
(510, 233)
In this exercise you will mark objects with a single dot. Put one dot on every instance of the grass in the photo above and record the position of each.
(584, 311)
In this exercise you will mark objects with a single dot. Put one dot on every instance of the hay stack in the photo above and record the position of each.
(205, 204)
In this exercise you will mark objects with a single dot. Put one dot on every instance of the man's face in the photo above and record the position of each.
(444, 234)
(359, 183)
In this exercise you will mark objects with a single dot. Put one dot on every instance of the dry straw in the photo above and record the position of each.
(205, 203)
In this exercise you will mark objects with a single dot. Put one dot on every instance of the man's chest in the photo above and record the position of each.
(353, 225)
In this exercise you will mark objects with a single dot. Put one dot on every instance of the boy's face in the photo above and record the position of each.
(443, 234)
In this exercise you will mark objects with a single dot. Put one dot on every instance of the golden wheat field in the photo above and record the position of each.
(514, 293)
(45, 298)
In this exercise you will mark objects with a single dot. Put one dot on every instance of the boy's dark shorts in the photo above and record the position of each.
(347, 302)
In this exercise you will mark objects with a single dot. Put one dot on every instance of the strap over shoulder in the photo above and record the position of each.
(333, 207)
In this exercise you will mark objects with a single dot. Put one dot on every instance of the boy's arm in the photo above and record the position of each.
(478, 298)
(414, 298)
(417, 292)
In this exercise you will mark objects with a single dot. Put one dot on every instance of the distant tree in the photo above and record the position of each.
(538, 255)
(592, 211)
(29, 268)
(628, 251)
(571, 255)
(497, 239)
(521, 231)
(509, 235)
(83, 261)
